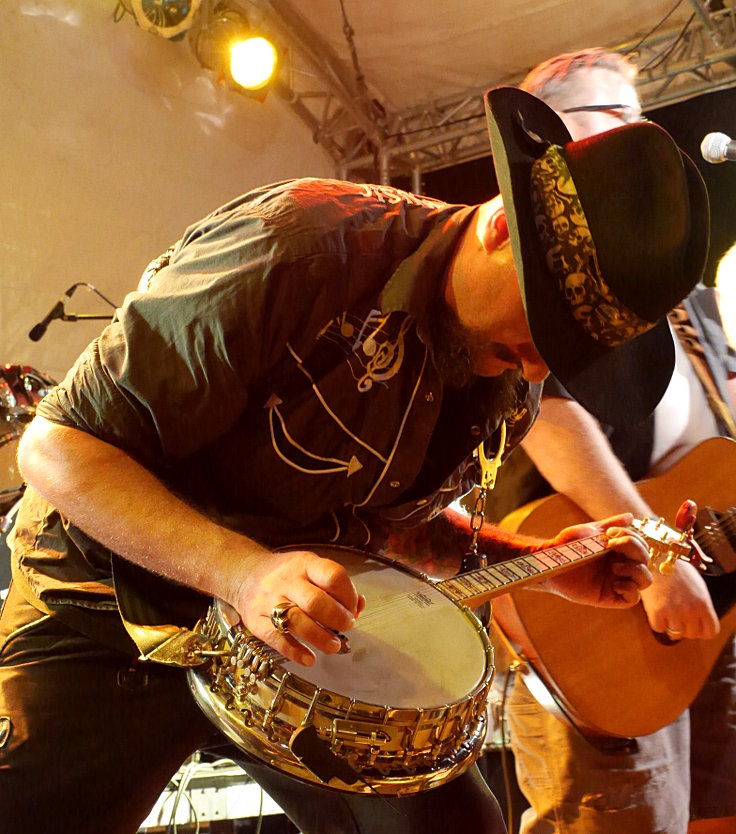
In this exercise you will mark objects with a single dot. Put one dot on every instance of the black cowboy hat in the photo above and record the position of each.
(608, 234)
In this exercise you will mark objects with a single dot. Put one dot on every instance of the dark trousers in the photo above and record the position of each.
(89, 738)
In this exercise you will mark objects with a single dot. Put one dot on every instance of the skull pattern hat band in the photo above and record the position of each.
(608, 234)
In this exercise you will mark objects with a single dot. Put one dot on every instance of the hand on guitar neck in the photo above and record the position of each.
(615, 580)
(618, 579)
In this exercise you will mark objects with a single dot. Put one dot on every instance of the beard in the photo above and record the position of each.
(455, 350)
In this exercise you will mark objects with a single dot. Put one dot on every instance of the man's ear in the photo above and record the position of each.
(493, 230)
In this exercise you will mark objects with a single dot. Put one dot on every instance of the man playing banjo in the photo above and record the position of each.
(316, 363)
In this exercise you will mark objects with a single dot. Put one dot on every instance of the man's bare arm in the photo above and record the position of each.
(115, 500)
(437, 548)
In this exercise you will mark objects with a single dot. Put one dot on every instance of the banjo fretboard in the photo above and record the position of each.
(477, 586)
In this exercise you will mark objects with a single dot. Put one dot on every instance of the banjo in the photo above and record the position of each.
(403, 709)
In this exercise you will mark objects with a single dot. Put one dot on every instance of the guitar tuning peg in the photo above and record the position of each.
(667, 565)
(686, 515)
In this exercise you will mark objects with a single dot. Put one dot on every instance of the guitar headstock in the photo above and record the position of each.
(668, 544)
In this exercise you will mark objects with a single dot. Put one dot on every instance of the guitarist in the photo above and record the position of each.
(686, 770)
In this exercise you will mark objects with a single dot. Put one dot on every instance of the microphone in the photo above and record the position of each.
(717, 147)
(56, 312)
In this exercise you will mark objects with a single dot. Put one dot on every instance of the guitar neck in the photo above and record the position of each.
(477, 586)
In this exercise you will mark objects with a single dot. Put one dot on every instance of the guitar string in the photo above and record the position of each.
(722, 531)
(726, 519)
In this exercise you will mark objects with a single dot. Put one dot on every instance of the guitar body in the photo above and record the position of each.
(610, 672)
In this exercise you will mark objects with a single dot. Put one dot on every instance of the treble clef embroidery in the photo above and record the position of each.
(385, 358)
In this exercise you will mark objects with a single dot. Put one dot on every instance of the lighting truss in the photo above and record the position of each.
(682, 64)
(344, 117)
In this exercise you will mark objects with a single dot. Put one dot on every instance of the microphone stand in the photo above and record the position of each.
(83, 316)
(59, 313)
(87, 316)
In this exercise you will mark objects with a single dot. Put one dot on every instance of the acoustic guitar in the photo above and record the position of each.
(610, 674)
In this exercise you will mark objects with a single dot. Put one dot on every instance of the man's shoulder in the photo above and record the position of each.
(311, 202)
(320, 193)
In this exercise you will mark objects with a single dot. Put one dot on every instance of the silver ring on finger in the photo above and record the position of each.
(280, 615)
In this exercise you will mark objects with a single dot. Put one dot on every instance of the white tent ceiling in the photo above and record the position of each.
(415, 51)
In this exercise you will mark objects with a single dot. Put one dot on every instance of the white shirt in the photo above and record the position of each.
(683, 417)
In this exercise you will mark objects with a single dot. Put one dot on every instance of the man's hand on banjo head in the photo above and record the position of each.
(296, 597)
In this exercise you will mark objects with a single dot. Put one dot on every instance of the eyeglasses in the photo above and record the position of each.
(629, 115)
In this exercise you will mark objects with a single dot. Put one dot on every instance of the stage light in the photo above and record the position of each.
(228, 45)
(252, 62)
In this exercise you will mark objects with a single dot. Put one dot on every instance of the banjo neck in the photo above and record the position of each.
(666, 546)
(475, 587)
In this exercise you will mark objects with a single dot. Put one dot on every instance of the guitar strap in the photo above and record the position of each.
(688, 336)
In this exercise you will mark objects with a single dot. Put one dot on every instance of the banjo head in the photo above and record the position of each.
(410, 647)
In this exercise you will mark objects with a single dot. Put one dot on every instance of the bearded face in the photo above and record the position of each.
(455, 351)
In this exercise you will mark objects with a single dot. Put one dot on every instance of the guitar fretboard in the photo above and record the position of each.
(477, 586)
